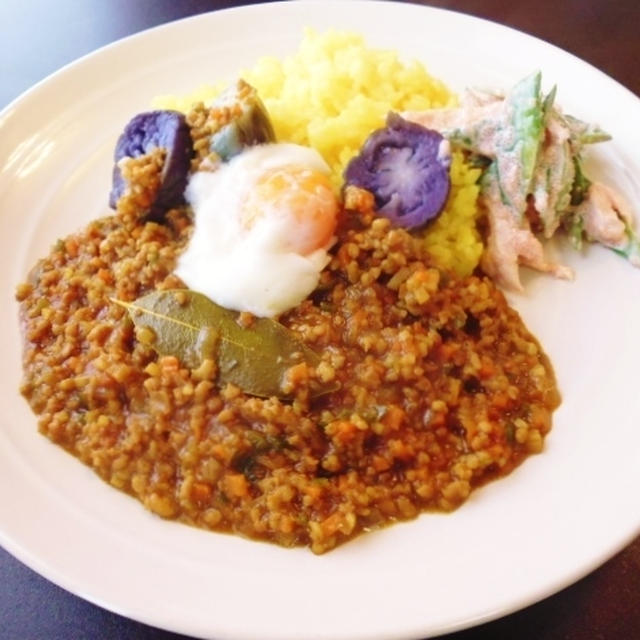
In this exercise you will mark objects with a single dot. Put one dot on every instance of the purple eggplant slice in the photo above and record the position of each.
(147, 131)
(406, 168)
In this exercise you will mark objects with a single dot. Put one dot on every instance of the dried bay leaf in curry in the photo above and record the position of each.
(189, 326)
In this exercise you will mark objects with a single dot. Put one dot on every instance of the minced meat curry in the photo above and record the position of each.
(436, 387)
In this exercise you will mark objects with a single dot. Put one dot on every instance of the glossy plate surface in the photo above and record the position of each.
(557, 517)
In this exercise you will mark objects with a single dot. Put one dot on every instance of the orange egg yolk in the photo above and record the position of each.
(304, 197)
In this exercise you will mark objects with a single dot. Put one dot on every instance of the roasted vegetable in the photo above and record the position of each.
(406, 168)
(243, 121)
(167, 130)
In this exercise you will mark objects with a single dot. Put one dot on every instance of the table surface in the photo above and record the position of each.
(39, 36)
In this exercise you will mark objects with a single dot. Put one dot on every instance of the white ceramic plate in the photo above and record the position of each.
(556, 518)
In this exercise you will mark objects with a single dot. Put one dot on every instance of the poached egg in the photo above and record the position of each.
(263, 225)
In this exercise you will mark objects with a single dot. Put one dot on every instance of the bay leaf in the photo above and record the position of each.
(191, 327)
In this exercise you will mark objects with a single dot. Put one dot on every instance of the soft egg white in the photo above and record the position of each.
(242, 253)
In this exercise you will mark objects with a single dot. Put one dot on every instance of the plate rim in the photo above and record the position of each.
(42, 568)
